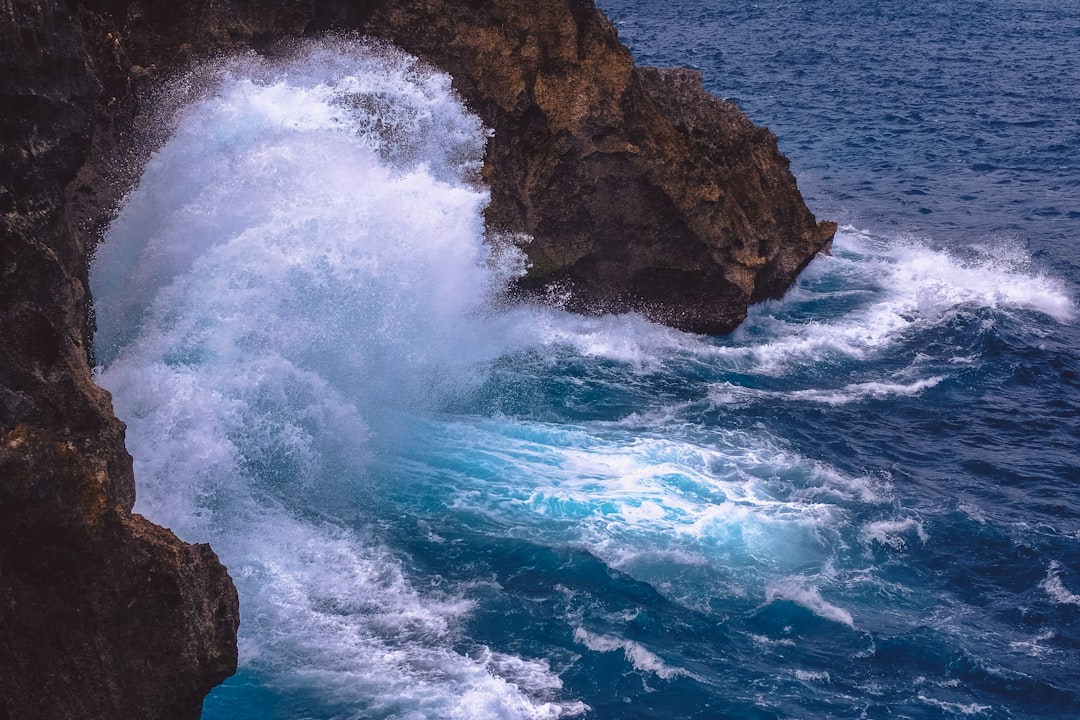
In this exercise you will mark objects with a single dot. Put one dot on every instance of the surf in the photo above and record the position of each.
(437, 504)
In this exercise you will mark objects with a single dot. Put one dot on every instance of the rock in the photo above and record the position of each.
(639, 189)
(103, 614)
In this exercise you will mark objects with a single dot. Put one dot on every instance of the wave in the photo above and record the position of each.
(851, 316)
(1055, 587)
(640, 502)
(301, 322)
(873, 292)
(299, 265)
(890, 533)
(797, 590)
(727, 393)
(636, 654)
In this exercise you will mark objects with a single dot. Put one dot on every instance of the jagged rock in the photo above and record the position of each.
(102, 614)
(640, 191)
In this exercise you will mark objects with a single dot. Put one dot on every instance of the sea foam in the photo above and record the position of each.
(890, 288)
(298, 266)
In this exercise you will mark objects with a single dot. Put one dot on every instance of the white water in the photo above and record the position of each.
(896, 287)
(300, 281)
(261, 297)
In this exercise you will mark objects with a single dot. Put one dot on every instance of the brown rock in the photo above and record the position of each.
(102, 614)
(641, 191)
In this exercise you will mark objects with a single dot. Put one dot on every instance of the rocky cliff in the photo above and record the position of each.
(102, 613)
(640, 191)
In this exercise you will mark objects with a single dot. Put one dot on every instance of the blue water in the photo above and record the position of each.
(862, 504)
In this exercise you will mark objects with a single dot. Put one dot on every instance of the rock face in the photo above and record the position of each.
(102, 613)
(640, 191)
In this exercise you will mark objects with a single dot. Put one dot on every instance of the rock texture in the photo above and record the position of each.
(102, 613)
(640, 191)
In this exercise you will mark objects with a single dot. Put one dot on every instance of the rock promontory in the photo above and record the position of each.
(640, 191)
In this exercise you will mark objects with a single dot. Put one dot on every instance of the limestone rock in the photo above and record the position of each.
(102, 614)
(641, 191)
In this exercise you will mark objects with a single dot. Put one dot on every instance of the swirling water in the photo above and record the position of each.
(860, 504)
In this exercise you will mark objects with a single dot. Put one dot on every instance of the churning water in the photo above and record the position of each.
(436, 505)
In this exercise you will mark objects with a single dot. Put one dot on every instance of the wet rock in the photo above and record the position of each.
(640, 190)
(103, 614)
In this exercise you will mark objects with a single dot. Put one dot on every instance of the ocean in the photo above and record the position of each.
(861, 504)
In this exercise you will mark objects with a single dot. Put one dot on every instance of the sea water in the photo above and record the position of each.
(436, 504)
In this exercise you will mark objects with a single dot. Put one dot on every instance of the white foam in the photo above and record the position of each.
(1034, 646)
(726, 393)
(904, 286)
(809, 676)
(626, 338)
(1055, 588)
(643, 502)
(767, 641)
(302, 261)
(797, 590)
(891, 532)
(862, 391)
(697, 515)
(1000, 276)
(955, 707)
(635, 653)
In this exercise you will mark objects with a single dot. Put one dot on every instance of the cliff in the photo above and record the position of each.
(102, 613)
(639, 189)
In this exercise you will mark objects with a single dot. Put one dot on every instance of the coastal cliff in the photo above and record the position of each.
(102, 613)
(639, 190)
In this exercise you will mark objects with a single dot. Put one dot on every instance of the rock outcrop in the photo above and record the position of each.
(639, 189)
(102, 613)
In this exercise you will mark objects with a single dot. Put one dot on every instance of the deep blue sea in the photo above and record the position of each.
(864, 503)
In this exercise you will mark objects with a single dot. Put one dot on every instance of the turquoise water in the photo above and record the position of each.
(435, 505)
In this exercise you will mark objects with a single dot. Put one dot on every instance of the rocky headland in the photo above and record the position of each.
(640, 192)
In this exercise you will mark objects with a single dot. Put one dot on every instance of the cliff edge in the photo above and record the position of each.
(639, 189)
(102, 613)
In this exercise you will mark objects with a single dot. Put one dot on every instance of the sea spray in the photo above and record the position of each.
(437, 506)
(303, 260)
